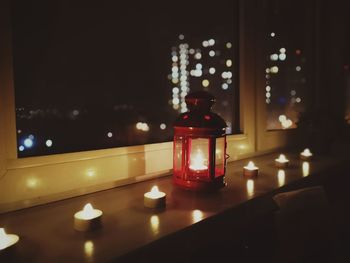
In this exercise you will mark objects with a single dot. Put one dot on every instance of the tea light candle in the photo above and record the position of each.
(250, 170)
(281, 161)
(154, 198)
(87, 219)
(306, 155)
(7, 240)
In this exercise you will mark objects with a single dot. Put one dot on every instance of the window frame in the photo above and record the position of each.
(30, 181)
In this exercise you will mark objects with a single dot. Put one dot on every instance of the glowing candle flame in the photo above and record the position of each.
(251, 166)
(4, 240)
(7, 240)
(155, 190)
(88, 211)
(282, 158)
(197, 163)
(155, 193)
(307, 152)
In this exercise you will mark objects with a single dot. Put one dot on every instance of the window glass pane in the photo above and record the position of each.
(288, 39)
(91, 75)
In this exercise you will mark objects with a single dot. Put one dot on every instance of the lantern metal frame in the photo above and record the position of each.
(199, 123)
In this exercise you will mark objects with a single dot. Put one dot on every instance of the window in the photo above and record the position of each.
(288, 38)
(91, 75)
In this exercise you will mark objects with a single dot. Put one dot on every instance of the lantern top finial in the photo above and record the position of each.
(200, 100)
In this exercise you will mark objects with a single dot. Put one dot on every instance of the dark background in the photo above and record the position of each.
(86, 68)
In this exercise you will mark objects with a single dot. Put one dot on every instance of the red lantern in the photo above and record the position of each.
(199, 145)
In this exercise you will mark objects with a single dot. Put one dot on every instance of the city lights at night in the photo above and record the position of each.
(105, 100)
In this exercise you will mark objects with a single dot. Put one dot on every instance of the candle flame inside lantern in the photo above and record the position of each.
(197, 162)
(2, 233)
(88, 211)
(7, 240)
(306, 152)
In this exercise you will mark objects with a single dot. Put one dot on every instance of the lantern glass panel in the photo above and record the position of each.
(220, 156)
(199, 156)
(178, 153)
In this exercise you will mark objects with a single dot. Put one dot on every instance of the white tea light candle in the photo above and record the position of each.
(306, 155)
(7, 240)
(250, 170)
(87, 219)
(281, 161)
(154, 198)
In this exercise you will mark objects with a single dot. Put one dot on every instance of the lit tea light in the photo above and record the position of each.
(250, 187)
(306, 169)
(198, 162)
(250, 170)
(154, 198)
(281, 161)
(281, 177)
(87, 219)
(7, 240)
(306, 155)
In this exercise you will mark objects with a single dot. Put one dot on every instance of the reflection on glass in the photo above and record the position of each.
(288, 44)
(281, 176)
(197, 215)
(89, 250)
(250, 187)
(198, 162)
(306, 169)
(154, 224)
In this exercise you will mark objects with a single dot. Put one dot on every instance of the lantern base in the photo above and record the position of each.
(199, 185)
